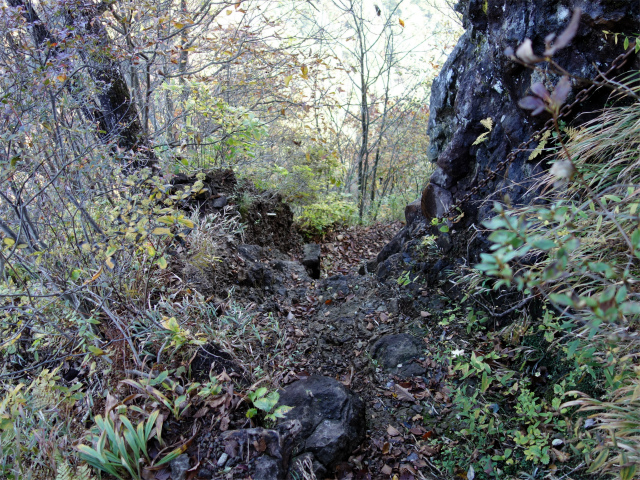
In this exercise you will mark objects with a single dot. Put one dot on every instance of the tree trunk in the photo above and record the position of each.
(115, 113)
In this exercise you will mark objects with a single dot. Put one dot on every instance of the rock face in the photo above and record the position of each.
(332, 419)
(478, 81)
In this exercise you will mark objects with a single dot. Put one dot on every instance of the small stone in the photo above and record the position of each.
(179, 467)
(220, 202)
(222, 460)
(370, 326)
(311, 259)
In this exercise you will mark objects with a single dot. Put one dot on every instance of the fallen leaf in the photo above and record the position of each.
(387, 470)
(260, 445)
(385, 448)
(403, 394)
(425, 314)
(394, 432)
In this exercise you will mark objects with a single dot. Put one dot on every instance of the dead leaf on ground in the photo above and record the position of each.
(394, 432)
(387, 470)
(403, 394)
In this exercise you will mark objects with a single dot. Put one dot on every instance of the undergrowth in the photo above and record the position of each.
(556, 390)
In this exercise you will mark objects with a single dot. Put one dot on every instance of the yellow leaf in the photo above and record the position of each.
(305, 71)
(167, 219)
(287, 80)
(8, 241)
(95, 277)
(401, 22)
(96, 351)
(161, 231)
(162, 263)
(110, 263)
(229, 12)
(186, 222)
(487, 123)
(62, 77)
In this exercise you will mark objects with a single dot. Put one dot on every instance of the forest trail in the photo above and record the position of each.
(365, 331)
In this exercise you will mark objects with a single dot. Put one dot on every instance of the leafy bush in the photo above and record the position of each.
(577, 248)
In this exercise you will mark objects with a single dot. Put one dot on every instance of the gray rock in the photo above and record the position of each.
(398, 354)
(435, 202)
(337, 284)
(291, 269)
(332, 418)
(368, 267)
(268, 468)
(268, 451)
(220, 202)
(179, 467)
(253, 253)
(311, 259)
(478, 81)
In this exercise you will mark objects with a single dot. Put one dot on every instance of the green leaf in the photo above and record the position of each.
(544, 244)
(599, 461)
(162, 262)
(252, 412)
(626, 43)
(628, 473)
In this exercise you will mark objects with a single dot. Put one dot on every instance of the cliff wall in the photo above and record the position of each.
(479, 81)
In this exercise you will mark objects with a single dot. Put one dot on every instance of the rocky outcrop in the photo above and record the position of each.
(332, 419)
(478, 81)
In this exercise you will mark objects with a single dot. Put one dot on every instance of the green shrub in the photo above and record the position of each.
(577, 248)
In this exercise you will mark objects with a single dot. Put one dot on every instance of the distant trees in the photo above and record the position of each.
(381, 82)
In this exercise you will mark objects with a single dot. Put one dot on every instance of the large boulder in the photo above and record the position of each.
(332, 419)
(478, 81)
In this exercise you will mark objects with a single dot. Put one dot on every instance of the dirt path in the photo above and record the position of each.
(336, 327)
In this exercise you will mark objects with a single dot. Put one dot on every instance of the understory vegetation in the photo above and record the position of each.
(113, 116)
(546, 375)
(104, 108)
